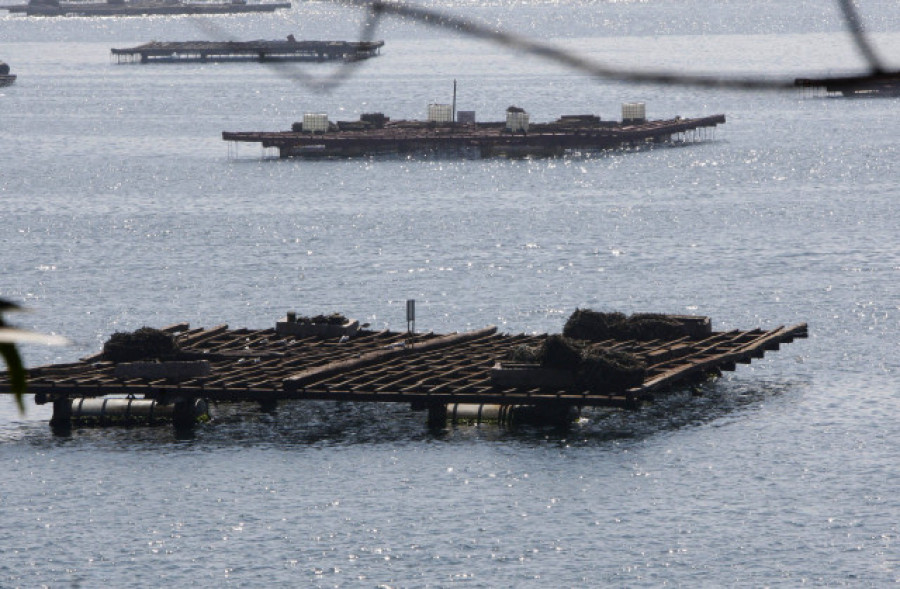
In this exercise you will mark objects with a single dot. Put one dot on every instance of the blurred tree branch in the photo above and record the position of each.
(10, 337)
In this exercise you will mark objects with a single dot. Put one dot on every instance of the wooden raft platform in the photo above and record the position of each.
(424, 370)
(476, 139)
(279, 50)
(138, 8)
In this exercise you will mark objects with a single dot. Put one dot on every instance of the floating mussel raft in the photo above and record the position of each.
(138, 7)
(599, 360)
(260, 50)
(458, 134)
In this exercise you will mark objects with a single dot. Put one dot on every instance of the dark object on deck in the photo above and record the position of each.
(878, 84)
(334, 325)
(596, 326)
(145, 343)
(427, 371)
(286, 50)
(595, 368)
(138, 7)
(376, 119)
(610, 371)
(6, 78)
(516, 137)
(561, 353)
(333, 319)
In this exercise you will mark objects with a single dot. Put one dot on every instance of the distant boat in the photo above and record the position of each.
(139, 7)
(6, 78)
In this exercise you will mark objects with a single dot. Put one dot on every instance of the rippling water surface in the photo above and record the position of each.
(122, 207)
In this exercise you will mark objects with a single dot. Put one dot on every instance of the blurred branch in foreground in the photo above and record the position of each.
(10, 337)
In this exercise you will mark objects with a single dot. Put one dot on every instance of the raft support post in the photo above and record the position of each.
(61, 422)
(437, 416)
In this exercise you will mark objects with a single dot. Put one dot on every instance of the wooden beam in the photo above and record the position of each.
(302, 379)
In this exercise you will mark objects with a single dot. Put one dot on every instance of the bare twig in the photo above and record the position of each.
(375, 10)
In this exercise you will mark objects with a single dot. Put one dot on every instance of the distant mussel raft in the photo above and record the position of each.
(281, 50)
(458, 134)
(138, 7)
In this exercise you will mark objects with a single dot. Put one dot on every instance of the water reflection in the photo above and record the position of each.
(322, 424)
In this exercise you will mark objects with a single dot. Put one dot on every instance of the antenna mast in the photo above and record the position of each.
(454, 102)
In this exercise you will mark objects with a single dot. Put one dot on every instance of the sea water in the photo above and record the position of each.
(122, 207)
